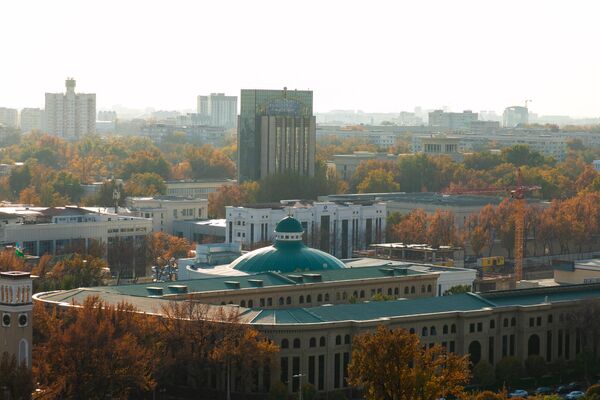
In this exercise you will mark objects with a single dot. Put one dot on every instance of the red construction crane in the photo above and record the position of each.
(517, 193)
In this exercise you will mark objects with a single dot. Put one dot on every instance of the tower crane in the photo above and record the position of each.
(517, 193)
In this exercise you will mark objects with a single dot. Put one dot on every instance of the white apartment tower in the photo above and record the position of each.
(71, 114)
(220, 110)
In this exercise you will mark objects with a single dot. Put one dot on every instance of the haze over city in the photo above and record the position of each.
(387, 57)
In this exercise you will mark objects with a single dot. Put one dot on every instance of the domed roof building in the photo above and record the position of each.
(287, 254)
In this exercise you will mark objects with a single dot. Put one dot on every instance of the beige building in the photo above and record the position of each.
(197, 189)
(15, 313)
(438, 145)
(346, 164)
(31, 119)
(165, 210)
(576, 272)
(9, 117)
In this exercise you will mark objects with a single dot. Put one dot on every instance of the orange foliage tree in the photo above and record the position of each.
(393, 365)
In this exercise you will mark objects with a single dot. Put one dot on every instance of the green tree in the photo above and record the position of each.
(457, 290)
(509, 371)
(19, 179)
(67, 185)
(535, 367)
(483, 374)
(520, 155)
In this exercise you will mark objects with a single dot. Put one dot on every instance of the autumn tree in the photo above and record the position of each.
(441, 230)
(207, 162)
(85, 353)
(146, 161)
(412, 228)
(145, 184)
(392, 364)
(74, 271)
(365, 168)
(161, 247)
(15, 379)
(231, 195)
(378, 181)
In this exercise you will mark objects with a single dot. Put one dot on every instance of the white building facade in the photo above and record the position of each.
(32, 119)
(70, 114)
(55, 230)
(9, 117)
(337, 228)
(165, 210)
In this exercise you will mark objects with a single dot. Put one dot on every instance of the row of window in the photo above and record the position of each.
(268, 302)
(312, 342)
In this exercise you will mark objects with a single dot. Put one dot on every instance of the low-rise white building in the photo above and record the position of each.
(165, 210)
(339, 228)
(56, 230)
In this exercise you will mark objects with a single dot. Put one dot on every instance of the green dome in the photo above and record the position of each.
(288, 254)
(289, 225)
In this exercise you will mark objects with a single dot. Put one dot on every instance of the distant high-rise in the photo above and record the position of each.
(218, 109)
(276, 133)
(32, 119)
(514, 116)
(9, 117)
(71, 114)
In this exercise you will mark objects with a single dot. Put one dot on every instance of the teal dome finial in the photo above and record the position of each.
(289, 225)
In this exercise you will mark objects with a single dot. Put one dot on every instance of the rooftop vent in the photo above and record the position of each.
(178, 288)
(232, 284)
(297, 278)
(256, 282)
(154, 290)
(313, 277)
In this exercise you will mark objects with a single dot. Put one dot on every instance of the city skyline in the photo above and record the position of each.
(387, 58)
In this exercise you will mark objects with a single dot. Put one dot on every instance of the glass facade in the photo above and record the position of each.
(283, 104)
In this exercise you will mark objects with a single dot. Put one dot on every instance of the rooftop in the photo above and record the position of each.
(366, 311)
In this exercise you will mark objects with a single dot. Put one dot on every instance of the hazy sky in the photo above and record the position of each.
(370, 55)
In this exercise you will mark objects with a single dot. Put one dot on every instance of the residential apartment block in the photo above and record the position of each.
(32, 119)
(70, 115)
(9, 117)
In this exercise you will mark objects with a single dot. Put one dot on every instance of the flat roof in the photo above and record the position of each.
(365, 311)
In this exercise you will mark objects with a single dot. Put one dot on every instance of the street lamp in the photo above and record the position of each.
(299, 376)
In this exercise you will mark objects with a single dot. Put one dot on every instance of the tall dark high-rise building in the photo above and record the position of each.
(276, 133)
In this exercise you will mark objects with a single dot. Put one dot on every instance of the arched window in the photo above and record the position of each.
(223, 303)
(347, 339)
(355, 294)
(344, 296)
(475, 352)
(432, 331)
(326, 296)
(428, 288)
(243, 303)
(362, 294)
(322, 341)
(412, 331)
(453, 328)
(406, 290)
(505, 323)
(422, 288)
(296, 343)
(412, 290)
(337, 296)
(312, 342)
(513, 321)
(285, 344)
(396, 291)
(308, 298)
(301, 299)
(424, 331)
(338, 340)
(319, 298)
(23, 353)
(281, 301)
(389, 291)
(250, 303)
(445, 330)
(288, 300)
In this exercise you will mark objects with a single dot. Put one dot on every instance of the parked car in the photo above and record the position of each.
(543, 390)
(576, 394)
(563, 390)
(518, 393)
